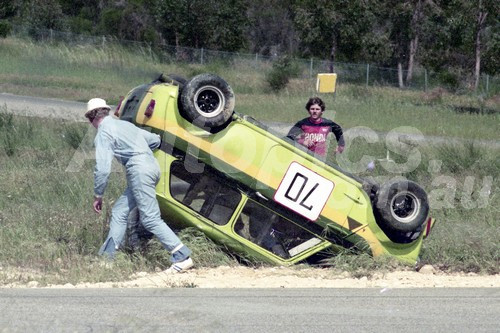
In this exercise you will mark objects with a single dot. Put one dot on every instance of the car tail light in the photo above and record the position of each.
(149, 110)
(117, 111)
(428, 227)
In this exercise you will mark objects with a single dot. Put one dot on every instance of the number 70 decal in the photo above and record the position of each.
(303, 191)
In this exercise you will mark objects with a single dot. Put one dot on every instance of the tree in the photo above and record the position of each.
(270, 29)
(490, 61)
(41, 14)
(317, 23)
(136, 23)
(484, 7)
(170, 22)
(129, 20)
(82, 16)
(337, 29)
(463, 39)
(403, 28)
(7, 11)
(229, 25)
(411, 27)
(7, 8)
(202, 23)
(415, 25)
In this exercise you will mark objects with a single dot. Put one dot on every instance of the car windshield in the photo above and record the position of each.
(273, 232)
(203, 192)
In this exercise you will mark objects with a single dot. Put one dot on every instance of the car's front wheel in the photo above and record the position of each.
(207, 101)
(401, 208)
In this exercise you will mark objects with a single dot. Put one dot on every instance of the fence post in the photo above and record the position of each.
(311, 68)
(367, 74)
(51, 35)
(487, 83)
(201, 56)
(103, 41)
(425, 80)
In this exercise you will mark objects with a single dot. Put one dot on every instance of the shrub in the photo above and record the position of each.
(73, 134)
(435, 96)
(6, 120)
(460, 158)
(11, 144)
(279, 76)
(450, 79)
(80, 25)
(9, 141)
(5, 28)
(206, 252)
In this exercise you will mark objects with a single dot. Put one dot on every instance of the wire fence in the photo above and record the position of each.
(360, 74)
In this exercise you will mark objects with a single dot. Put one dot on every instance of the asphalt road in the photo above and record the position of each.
(42, 107)
(249, 310)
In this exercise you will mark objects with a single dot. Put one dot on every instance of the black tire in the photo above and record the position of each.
(370, 186)
(207, 101)
(401, 207)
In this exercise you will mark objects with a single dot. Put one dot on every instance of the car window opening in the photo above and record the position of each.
(273, 232)
(204, 192)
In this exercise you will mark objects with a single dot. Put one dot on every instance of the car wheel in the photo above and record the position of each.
(401, 206)
(207, 101)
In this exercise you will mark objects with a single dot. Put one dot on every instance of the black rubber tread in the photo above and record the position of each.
(382, 208)
(188, 104)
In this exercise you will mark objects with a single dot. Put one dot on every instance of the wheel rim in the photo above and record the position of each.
(405, 206)
(209, 101)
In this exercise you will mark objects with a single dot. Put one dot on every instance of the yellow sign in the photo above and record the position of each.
(326, 82)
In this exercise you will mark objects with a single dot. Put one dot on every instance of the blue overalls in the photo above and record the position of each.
(132, 147)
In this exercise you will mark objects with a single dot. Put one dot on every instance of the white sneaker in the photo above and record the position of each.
(180, 267)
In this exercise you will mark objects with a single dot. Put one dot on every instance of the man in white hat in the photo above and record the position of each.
(132, 147)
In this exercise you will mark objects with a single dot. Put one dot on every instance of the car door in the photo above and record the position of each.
(306, 185)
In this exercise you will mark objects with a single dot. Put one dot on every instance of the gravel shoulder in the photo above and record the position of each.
(283, 277)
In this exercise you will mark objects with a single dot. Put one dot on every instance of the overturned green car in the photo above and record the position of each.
(259, 194)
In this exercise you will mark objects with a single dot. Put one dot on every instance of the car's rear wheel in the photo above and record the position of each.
(401, 207)
(207, 101)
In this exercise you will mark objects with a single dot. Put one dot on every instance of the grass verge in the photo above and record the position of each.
(47, 224)
(82, 72)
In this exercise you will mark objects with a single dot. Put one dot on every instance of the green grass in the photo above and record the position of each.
(79, 73)
(48, 226)
(360, 264)
(46, 220)
(462, 182)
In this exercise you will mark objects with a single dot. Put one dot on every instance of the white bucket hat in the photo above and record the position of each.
(97, 103)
